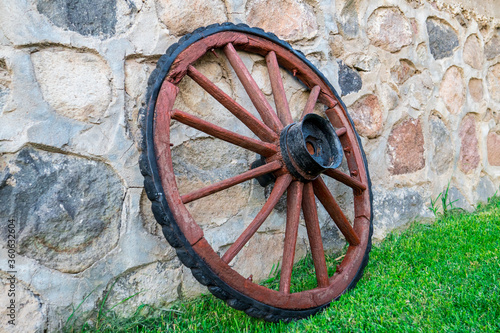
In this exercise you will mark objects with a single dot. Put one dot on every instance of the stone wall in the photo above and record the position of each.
(421, 80)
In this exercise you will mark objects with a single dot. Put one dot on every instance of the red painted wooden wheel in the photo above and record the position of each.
(296, 156)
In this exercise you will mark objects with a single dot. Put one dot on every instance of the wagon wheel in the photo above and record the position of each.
(295, 156)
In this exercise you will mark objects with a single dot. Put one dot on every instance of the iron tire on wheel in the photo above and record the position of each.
(168, 205)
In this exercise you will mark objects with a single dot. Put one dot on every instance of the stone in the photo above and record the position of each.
(476, 89)
(452, 89)
(182, 18)
(367, 116)
(389, 29)
(190, 287)
(291, 20)
(269, 249)
(349, 79)
(473, 52)
(405, 147)
(362, 62)
(76, 84)
(30, 308)
(469, 151)
(154, 284)
(389, 97)
(458, 200)
(417, 90)
(67, 207)
(336, 43)
(493, 80)
(442, 38)
(137, 72)
(441, 145)
(348, 20)
(5, 80)
(403, 71)
(492, 47)
(395, 208)
(148, 219)
(493, 147)
(485, 189)
(87, 17)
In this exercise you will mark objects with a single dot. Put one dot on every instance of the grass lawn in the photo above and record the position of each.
(429, 278)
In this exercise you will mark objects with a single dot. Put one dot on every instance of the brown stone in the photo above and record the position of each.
(476, 89)
(405, 147)
(493, 145)
(184, 16)
(367, 116)
(389, 29)
(452, 89)
(403, 71)
(469, 153)
(494, 82)
(473, 52)
(290, 19)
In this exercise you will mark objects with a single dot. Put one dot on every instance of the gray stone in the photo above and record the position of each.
(395, 208)
(441, 145)
(349, 26)
(492, 47)
(67, 207)
(87, 17)
(485, 189)
(442, 38)
(457, 200)
(154, 284)
(349, 79)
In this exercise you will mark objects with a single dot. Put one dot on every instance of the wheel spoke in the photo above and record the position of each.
(227, 183)
(311, 101)
(280, 186)
(255, 125)
(314, 235)
(280, 100)
(256, 95)
(259, 147)
(346, 179)
(333, 209)
(341, 131)
(294, 199)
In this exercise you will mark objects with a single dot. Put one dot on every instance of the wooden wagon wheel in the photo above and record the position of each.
(293, 156)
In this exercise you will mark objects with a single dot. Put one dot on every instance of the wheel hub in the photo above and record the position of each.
(310, 147)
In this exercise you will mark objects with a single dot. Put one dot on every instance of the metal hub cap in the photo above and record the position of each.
(310, 147)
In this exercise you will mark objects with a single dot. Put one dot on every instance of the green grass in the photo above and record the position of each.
(430, 278)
